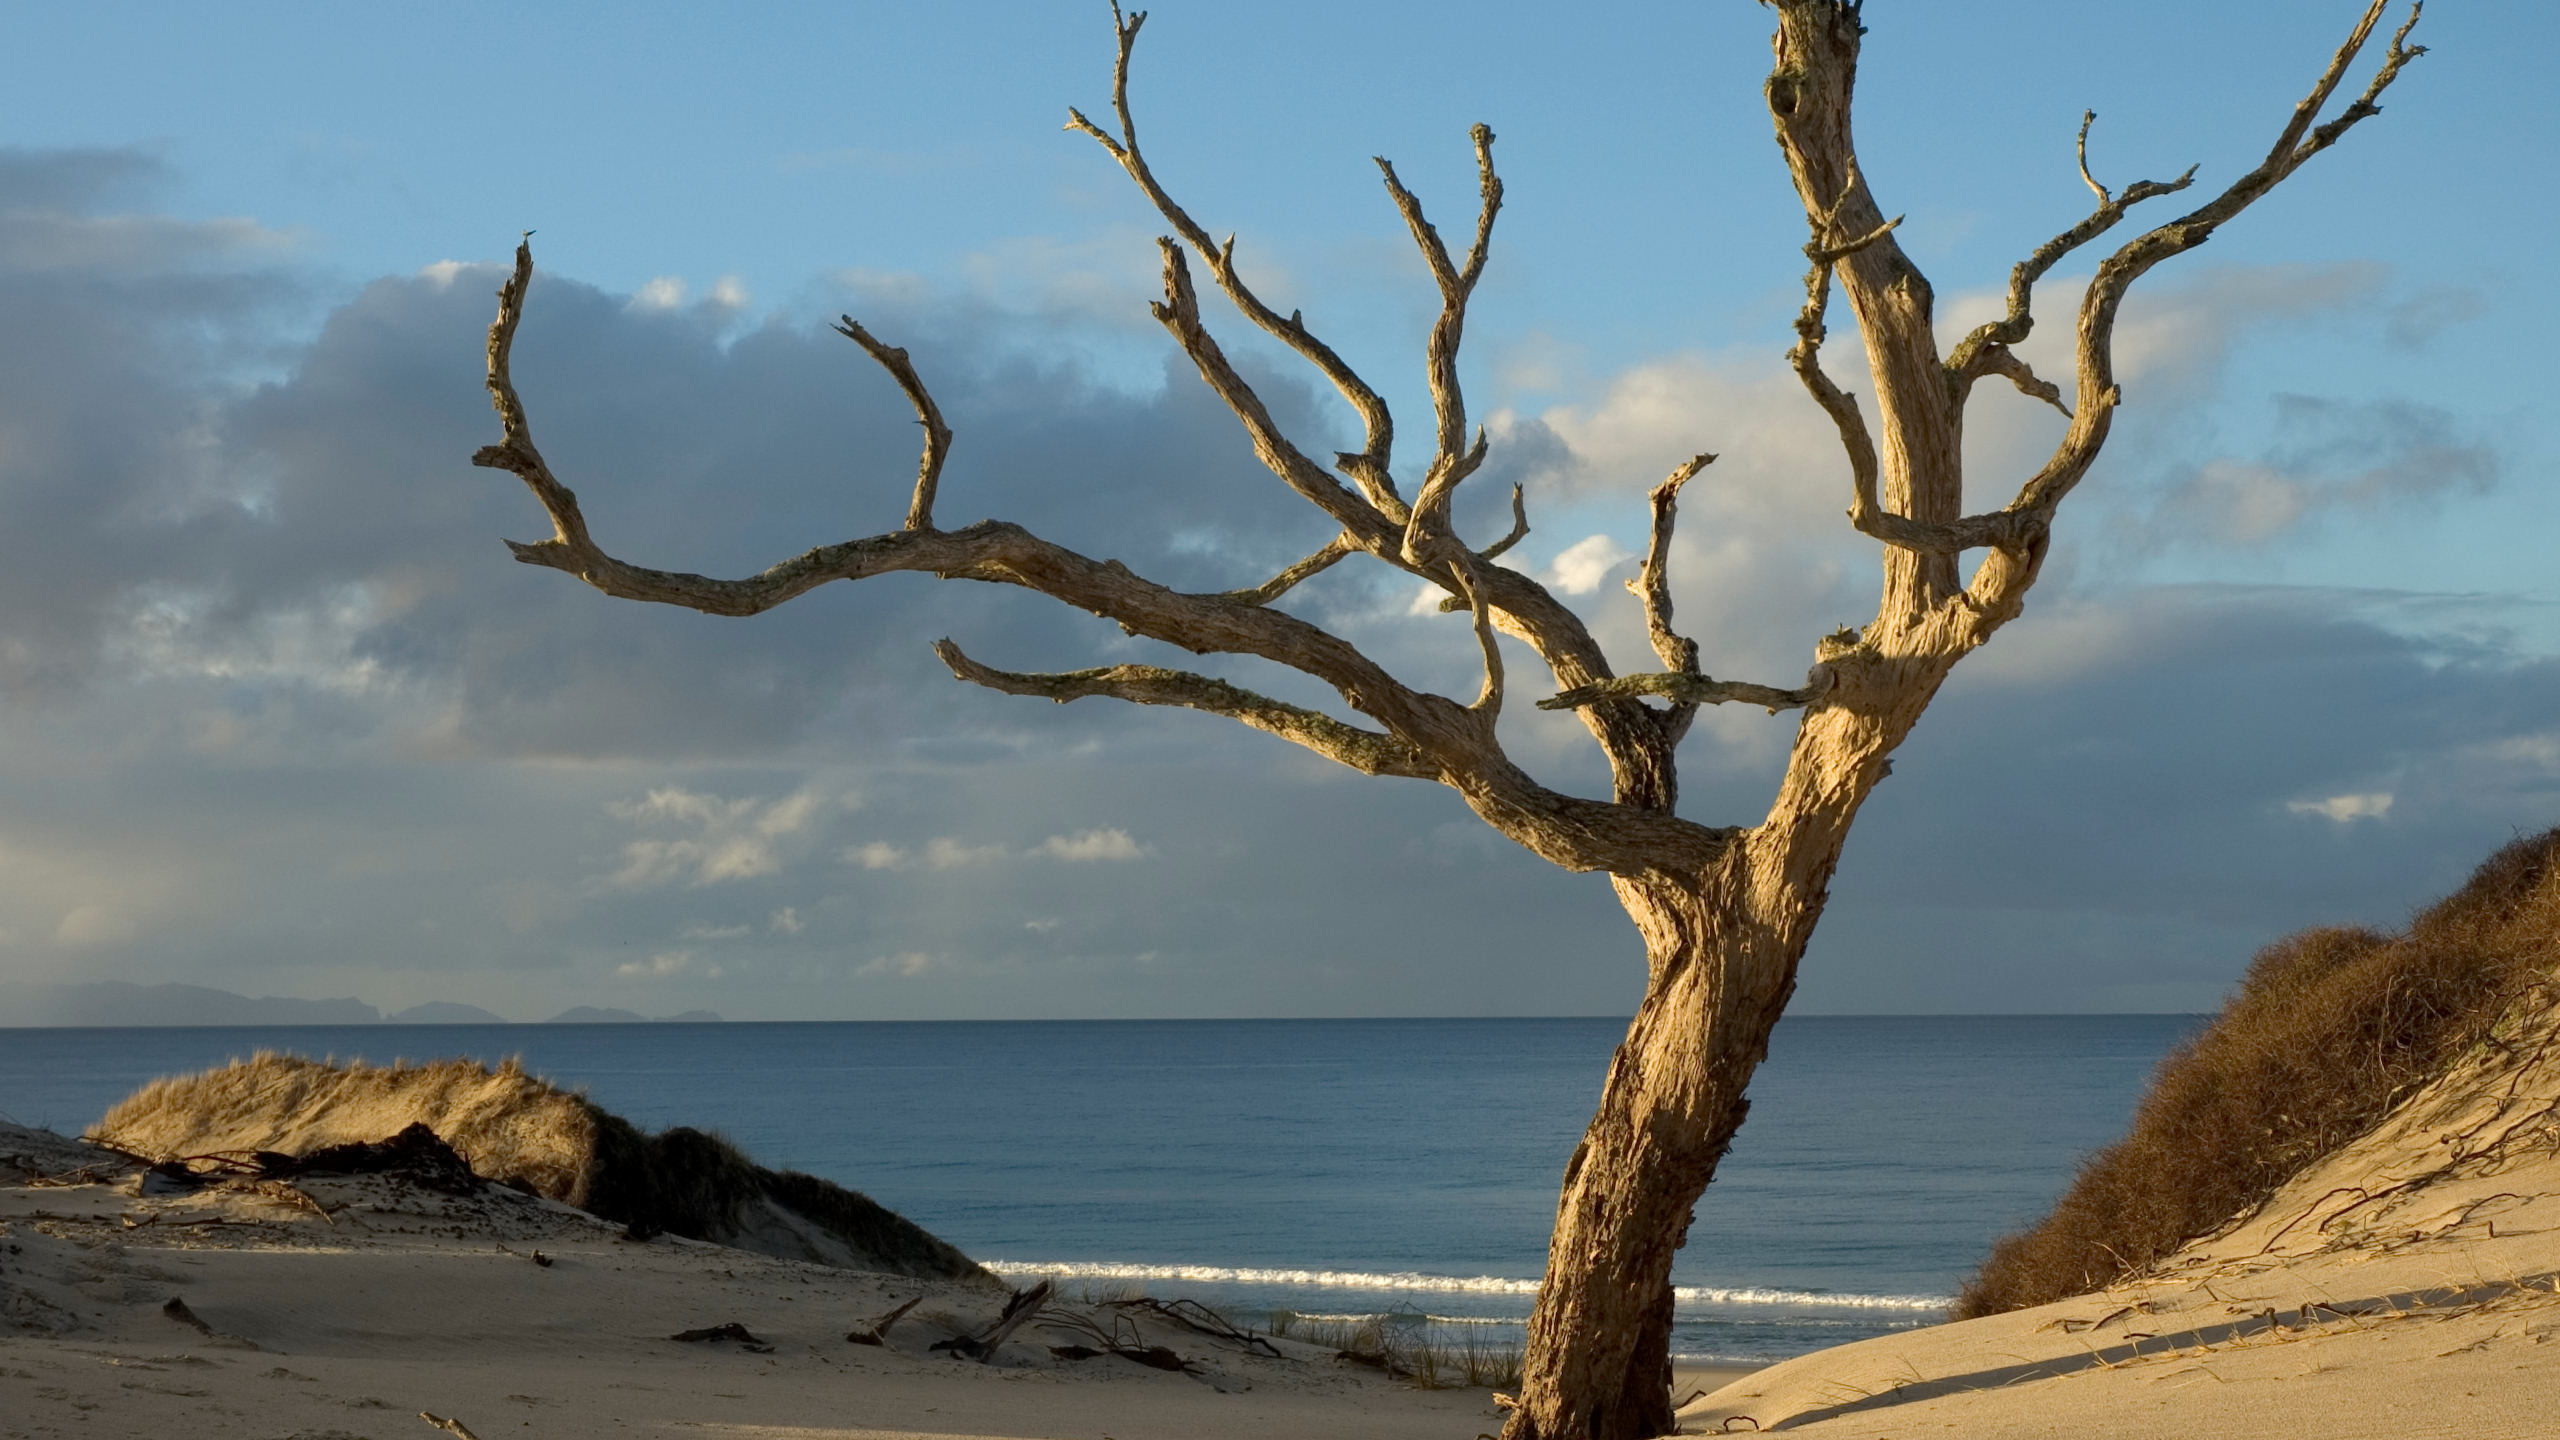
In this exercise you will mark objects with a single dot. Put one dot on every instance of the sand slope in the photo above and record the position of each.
(2408, 1285)
(402, 1298)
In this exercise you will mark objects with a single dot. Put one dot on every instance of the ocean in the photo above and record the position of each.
(1333, 1168)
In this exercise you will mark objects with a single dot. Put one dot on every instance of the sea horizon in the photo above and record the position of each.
(1331, 1168)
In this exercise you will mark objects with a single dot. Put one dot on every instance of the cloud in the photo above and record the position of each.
(92, 925)
(2342, 809)
(660, 966)
(906, 965)
(785, 921)
(732, 839)
(1579, 568)
(2330, 456)
(1091, 845)
(945, 853)
(875, 855)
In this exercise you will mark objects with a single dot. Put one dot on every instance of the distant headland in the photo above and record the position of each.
(124, 1003)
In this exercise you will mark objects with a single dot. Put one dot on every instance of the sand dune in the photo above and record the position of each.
(510, 1126)
(344, 1305)
(2407, 1285)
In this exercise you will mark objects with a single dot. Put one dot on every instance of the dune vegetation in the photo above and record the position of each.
(2331, 1029)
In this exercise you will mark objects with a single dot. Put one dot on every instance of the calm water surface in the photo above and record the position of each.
(1324, 1166)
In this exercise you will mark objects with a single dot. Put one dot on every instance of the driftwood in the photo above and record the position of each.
(1017, 1311)
(455, 1427)
(1201, 1320)
(731, 1331)
(1122, 1338)
(877, 1332)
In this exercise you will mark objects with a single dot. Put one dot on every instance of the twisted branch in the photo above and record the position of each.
(1698, 690)
(1332, 553)
(1426, 735)
(1454, 460)
(1363, 750)
(937, 436)
(1368, 467)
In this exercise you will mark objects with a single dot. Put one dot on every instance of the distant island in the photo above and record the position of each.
(124, 1003)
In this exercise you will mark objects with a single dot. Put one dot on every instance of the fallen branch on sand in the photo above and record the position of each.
(731, 1331)
(1200, 1319)
(877, 1332)
(982, 1347)
(453, 1426)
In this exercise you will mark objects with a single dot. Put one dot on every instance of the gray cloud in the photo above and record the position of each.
(2329, 457)
(283, 716)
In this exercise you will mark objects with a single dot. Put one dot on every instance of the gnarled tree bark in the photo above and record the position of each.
(1725, 912)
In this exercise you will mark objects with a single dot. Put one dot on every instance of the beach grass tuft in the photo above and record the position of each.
(2330, 1030)
(1410, 1347)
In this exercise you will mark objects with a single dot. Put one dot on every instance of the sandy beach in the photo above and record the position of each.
(2407, 1285)
(402, 1299)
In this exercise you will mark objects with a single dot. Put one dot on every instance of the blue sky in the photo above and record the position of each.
(279, 715)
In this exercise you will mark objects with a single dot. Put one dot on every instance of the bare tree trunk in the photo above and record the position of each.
(1725, 913)
(1722, 955)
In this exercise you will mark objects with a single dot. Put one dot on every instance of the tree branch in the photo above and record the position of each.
(1652, 580)
(1369, 467)
(937, 436)
(1363, 750)
(1179, 313)
(1332, 553)
(2295, 144)
(1456, 742)
(1698, 690)
(1971, 358)
(1519, 528)
(1454, 460)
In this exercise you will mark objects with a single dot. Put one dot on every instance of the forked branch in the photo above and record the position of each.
(2022, 525)
(1421, 735)
(1368, 467)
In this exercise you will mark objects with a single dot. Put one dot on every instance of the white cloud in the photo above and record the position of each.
(1090, 845)
(733, 839)
(2345, 809)
(93, 925)
(944, 853)
(658, 966)
(905, 965)
(877, 855)
(1582, 565)
(786, 921)
(715, 932)
(1042, 927)
(662, 292)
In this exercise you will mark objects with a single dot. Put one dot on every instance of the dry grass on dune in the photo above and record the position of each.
(515, 1128)
(2331, 1029)
(2328, 1033)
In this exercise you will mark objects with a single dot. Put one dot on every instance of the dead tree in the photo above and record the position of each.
(1724, 911)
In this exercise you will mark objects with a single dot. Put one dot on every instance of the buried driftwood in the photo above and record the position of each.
(454, 1427)
(877, 1332)
(1201, 1320)
(1017, 1311)
(1123, 1338)
(731, 1331)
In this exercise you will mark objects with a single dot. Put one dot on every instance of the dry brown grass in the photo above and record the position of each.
(2330, 1030)
(513, 1127)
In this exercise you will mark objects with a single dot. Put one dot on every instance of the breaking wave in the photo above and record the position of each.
(1418, 1283)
